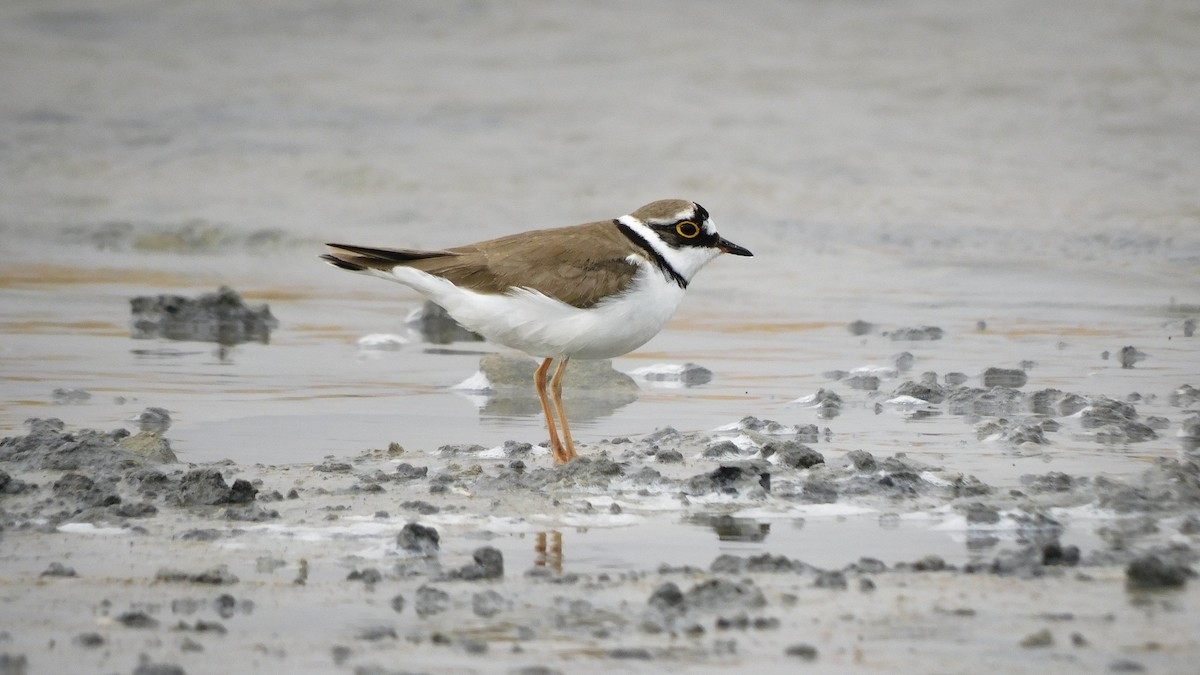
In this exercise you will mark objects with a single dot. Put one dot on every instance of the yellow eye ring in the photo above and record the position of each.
(687, 229)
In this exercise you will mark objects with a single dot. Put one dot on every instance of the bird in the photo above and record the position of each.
(593, 291)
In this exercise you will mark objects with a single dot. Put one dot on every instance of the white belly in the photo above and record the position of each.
(544, 327)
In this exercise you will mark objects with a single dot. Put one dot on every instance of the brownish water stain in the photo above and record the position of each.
(34, 327)
(770, 327)
(1073, 331)
(33, 276)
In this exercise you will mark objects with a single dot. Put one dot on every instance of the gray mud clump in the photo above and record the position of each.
(1153, 572)
(731, 479)
(221, 317)
(207, 487)
(48, 445)
(1115, 422)
(419, 539)
(489, 564)
(916, 333)
(1004, 377)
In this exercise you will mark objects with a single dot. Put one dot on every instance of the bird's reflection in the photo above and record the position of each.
(503, 389)
(549, 550)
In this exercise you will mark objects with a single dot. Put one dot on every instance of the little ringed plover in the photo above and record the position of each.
(591, 291)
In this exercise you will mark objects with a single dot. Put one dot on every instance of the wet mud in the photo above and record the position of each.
(463, 555)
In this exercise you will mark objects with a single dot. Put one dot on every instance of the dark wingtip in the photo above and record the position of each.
(341, 264)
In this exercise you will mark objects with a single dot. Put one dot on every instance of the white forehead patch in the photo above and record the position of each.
(686, 214)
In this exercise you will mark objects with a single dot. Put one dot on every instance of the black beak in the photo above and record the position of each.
(727, 246)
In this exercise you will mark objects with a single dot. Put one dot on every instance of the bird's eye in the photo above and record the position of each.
(687, 229)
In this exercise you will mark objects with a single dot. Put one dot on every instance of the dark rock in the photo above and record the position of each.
(1152, 572)
(1004, 377)
(1129, 355)
(133, 510)
(979, 513)
(929, 392)
(1185, 396)
(154, 420)
(730, 479)
(221, 317)
(870, 566)
(62, 396)
(722, 595)
(420, 506)
(405, 471)
(369, 576)
(819, 490)
(79, 488)
(1055, 553)
(862, 382)
(517, 449)
(903, 361)
(860, 327)
(1055, 481)
(635, 653)
(862, 460)
(488, 603)
(12, 486)
(667, 598)
(827, 402)
(376, 633)
(1042, 638)
(48, 446)
(671, 456)
(804, 652)
(660, 435)
(489, 564)
(793, 454)
(930, 563)
(721, 450)
(201, 534)
(57, 569)
(207, 487)
(418, 539)
(148, 667)
(1115, 422)
(216, 576)
(430, 601)
(916, 333)
(89, 640)
(137, 619)
(330, 466)
(830, 579)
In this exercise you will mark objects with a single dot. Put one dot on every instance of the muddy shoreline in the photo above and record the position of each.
(464, 557)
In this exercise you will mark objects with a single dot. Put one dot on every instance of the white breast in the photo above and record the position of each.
(541, 326)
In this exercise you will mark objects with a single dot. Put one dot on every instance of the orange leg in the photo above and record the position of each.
(556, 391)
(539, 381)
